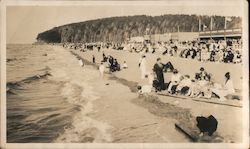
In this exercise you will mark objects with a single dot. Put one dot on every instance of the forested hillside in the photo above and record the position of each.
(118, 29)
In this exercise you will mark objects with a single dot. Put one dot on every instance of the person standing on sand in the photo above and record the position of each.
(93, 59)
(142, 65)
(104, 57)
(158, 69)
(101, 69)
(81, 62)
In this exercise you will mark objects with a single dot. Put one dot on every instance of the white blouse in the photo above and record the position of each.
(229, 86)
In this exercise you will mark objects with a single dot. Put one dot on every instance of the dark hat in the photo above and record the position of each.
(227, 74)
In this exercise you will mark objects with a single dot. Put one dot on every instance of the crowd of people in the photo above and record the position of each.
(200, 85)
(227, 51)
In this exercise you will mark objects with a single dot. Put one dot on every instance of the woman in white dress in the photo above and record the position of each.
(147, 85)
(101, 69)
(142, 65)
(224, 90)
(81, 62)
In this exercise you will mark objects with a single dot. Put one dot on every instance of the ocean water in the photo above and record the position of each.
(49, 97)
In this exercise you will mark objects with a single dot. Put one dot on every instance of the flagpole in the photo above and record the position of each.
(225, 27)
(199, 26)
(211, 27)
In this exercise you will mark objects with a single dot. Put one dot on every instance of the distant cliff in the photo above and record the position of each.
(118, 29)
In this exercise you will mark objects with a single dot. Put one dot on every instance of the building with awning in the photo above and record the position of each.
(190, 36)
(180, 36)
(221, 34)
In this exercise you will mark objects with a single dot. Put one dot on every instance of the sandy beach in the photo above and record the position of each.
(132, 111)
(185, 66)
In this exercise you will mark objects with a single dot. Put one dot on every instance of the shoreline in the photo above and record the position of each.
(162, 101)
(130, 89)
(111, 110)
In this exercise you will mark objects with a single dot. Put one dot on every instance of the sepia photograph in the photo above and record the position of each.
(146, 74)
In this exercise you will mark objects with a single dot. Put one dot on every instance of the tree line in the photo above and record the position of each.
(118, 29)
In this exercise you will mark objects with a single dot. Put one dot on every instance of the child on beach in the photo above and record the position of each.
(147, 85)
(124, 66)
(101, 69)
(93, 59)
(81, 62)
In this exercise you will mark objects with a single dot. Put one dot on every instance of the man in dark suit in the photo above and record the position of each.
(158, 69)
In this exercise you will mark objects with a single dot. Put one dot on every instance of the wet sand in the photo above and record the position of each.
(131, 123)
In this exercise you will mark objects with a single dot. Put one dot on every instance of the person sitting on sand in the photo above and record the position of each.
(175, 79)
(224, 90)
(115, 66)
(146, 87)
(125, 66)
(194, 89)
(184, 86)
(200, 88)
(205, 88)
(203, 75)
(206, 125)
(101, 69)
(110, 61)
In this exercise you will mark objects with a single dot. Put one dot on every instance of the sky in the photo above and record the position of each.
(24, 22)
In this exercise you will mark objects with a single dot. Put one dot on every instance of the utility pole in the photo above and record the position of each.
(225, 27)
(199, 19)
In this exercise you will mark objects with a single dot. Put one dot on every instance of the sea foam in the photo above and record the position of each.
(78, 90)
